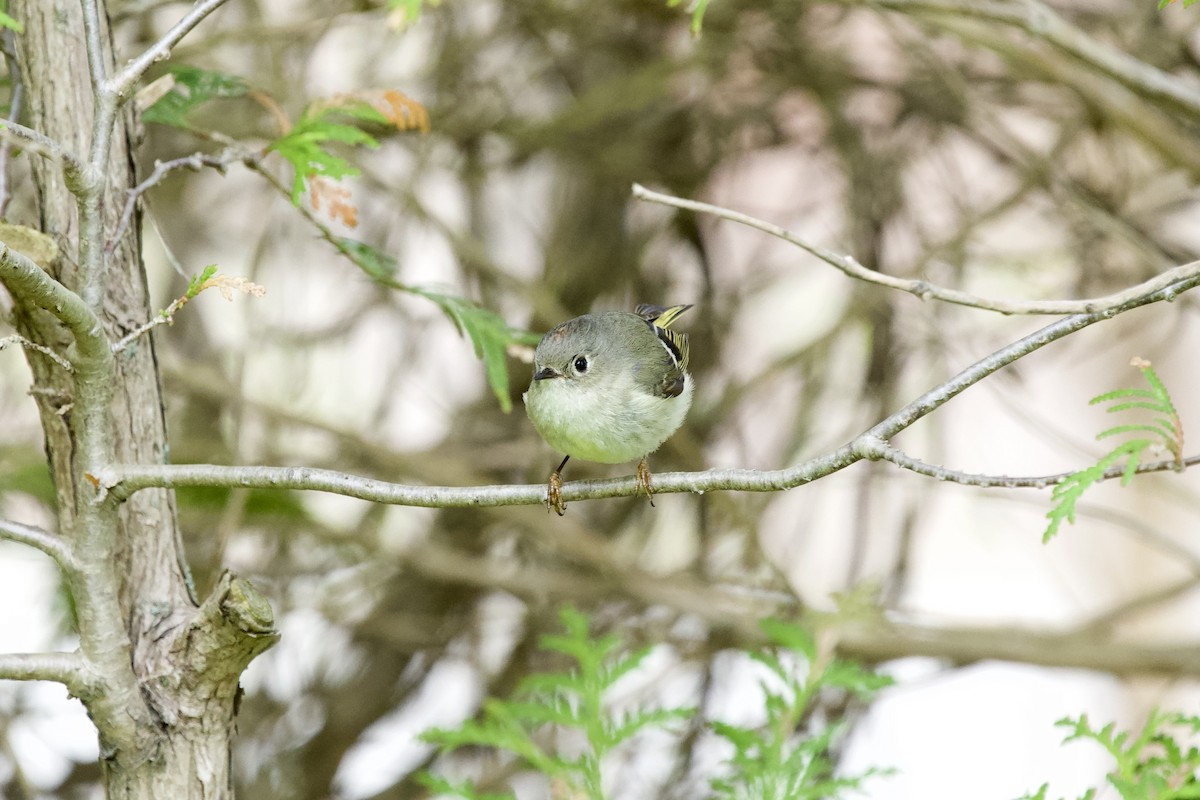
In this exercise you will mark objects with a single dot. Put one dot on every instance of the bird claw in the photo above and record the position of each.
(643, 476)
(554, 499)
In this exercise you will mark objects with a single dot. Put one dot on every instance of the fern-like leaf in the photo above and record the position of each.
(1165, 429)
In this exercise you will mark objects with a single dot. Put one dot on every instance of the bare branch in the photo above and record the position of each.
(162, 169)
(121, 480)
(1042, 22)
(66, 668)
(904, 461)
(924, 289)
(41, 348)
(34, 142)
(50, 544)
(121, 85)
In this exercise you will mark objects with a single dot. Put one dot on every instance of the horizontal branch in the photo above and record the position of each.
(122, 480)
(64, 668)
(53, 546)
(924, 289)
(121, 84)
(162, 169)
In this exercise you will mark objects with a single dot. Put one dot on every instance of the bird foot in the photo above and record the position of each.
(643, 476)
(554, 499)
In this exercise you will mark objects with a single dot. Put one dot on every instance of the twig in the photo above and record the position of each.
(65, 668)
(39, 143)
(121, 85)
(41, 348)
(904, 461)
(924, 289)
(122, 480)
(164, 317)
(48, 543)
(161, 170)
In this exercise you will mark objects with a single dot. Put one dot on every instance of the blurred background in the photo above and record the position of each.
(928, 140)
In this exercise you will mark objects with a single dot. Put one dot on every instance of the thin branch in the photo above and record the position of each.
(43, 145)
(889, 453)
(164, 317)
(1102, 624)
(93, 36)
(924, 289)
(121, 85)
(54, 546)
(164, 168)
(121, 480)
(66, 668)
(1042, 22)
(41, 348)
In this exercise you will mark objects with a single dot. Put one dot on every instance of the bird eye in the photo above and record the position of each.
(581, 364)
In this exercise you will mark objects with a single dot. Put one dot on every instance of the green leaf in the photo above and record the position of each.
(1120, 393)
(11, 23)
(1165, 427)
(378, 265)
(1155, 406)
(193, 86)
(488, 333)
(698, 9)
(196, 284)
(855, 678)
(305, 146)
(412, 8)
(790, 635)
(642, 719)
(439, 785)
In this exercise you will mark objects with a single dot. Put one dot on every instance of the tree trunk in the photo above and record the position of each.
(185, 657)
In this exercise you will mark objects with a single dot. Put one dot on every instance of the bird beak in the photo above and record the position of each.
(546, 372)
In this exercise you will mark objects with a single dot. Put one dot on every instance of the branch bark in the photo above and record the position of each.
(35, 537)
(68, 669)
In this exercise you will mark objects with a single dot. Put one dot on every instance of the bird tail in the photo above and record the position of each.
(660, 316)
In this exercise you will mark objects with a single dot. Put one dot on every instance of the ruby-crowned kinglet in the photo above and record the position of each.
(610, 387)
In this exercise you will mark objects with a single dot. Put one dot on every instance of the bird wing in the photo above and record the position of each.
(660, 318)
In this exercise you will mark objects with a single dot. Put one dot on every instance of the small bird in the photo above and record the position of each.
(610, 387)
